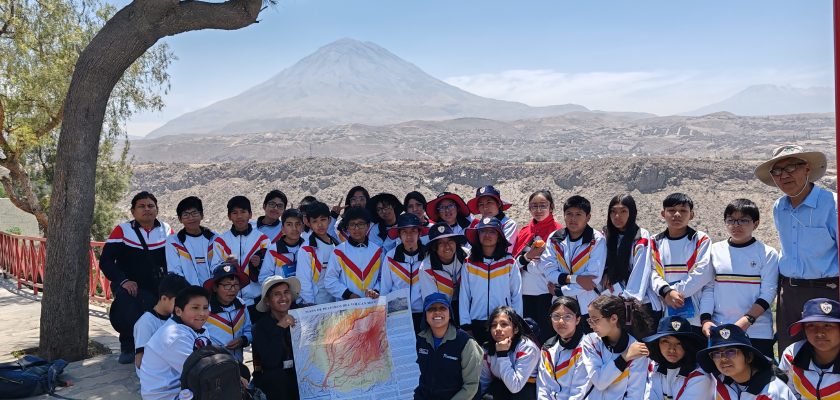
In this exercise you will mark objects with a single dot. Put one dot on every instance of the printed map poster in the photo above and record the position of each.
(356, 349)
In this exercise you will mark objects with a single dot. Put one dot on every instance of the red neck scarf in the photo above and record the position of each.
(542, 229)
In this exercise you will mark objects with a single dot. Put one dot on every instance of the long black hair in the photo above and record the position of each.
(435, 261)
(477, 254)
(520, 327)
(618, 254)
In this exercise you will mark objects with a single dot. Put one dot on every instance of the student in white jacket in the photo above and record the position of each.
(674, 371)
(356, 263)
(561, 374)
(509, 369)
(616, 362)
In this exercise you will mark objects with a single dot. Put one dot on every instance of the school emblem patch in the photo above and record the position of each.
(482, 190)
(226, 268)
(676, 325)
(441, 229)
(486, 220)
(724, 333)
(825, 307)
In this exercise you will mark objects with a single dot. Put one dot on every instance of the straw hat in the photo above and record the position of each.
(815, 159)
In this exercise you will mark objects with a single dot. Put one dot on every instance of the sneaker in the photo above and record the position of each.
(126, 358)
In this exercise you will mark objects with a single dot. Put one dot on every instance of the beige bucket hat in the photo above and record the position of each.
(815, 159)
(272, 281)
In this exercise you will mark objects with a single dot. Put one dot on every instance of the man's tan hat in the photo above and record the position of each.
(815, 159)
(272, 281)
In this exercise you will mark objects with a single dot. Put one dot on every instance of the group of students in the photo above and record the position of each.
(560, 310)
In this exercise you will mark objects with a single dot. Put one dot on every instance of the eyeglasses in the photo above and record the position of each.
(357, 226)
(738, 222)
(190, 214)
(567, 318)
(448, 207)
(727, 354)
(272, 204)
(787, 168)
(539, 207)
(384, 208)
(230, 286)
(594, 320)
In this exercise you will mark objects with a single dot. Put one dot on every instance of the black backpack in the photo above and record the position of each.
(30, 376)
(212, 373)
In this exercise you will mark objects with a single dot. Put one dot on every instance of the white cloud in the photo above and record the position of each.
(659, 92)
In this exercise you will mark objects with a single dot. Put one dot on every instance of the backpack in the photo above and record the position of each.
(30, 376)
(212, 373)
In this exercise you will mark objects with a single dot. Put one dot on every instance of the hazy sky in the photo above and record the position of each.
(659, 56)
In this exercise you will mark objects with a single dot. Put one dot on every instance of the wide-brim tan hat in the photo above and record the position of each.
(816, 161)
(272, 281)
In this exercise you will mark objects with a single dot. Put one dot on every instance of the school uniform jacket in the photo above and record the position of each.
(807, 380)
(638, 283)
(123, 258)
(609, 376)
(488, 284)
(243, 245)
(762, 386)
(446, 279)
(283, 260)
(561, 374)
(387, 244)
(743, 276)
(682, 264)
(273, 231)
(163, 359)
(312, 264)
(509, 227)
(191, 256)
(584, 256)
(402, 271)
(678, 383)
(354, 268)
(226, 323)
(514, 367)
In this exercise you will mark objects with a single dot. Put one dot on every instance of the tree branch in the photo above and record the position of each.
(196, 15)
(53, 123)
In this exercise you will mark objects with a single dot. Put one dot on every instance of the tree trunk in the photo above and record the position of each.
(19, 189)
(123, 39)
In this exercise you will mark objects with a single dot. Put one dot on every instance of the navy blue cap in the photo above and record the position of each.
(442, 230)
(405, 220)
(225, 270)
(817, 310)
(487, 191)
(436, 298)
(484, 223)
(678, 327)
(729, 335)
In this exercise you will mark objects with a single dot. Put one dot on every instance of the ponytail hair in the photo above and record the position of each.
(632, 316)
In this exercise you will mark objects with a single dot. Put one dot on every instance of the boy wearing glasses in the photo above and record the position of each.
(354, 270)
(228, 324)
(680, 260)
(189, 252)
(746, 277)
(806, 220)
(271, 224)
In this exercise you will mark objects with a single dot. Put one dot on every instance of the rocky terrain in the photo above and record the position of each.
(711, 183)
(570, 136)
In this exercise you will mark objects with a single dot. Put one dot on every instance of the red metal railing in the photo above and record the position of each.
(23, 257)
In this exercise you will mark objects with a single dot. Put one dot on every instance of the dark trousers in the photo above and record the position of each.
(536, 307)
(126, 310)
(792, 298)
(498, 391)
(480, 331)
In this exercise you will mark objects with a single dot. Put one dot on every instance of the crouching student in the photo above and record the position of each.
(740, 370)
(746, 275)
(355, 264)
(151, 321)
(509, 370)
(491, 279)
(616, 362)
(449, 359)
(313, 257)
(813, 365)
(561, 374)
(403, 264)
(574, 260)
(169, 347)
(274, 365)
(281, 258)
(675, 373)
(229, 324)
